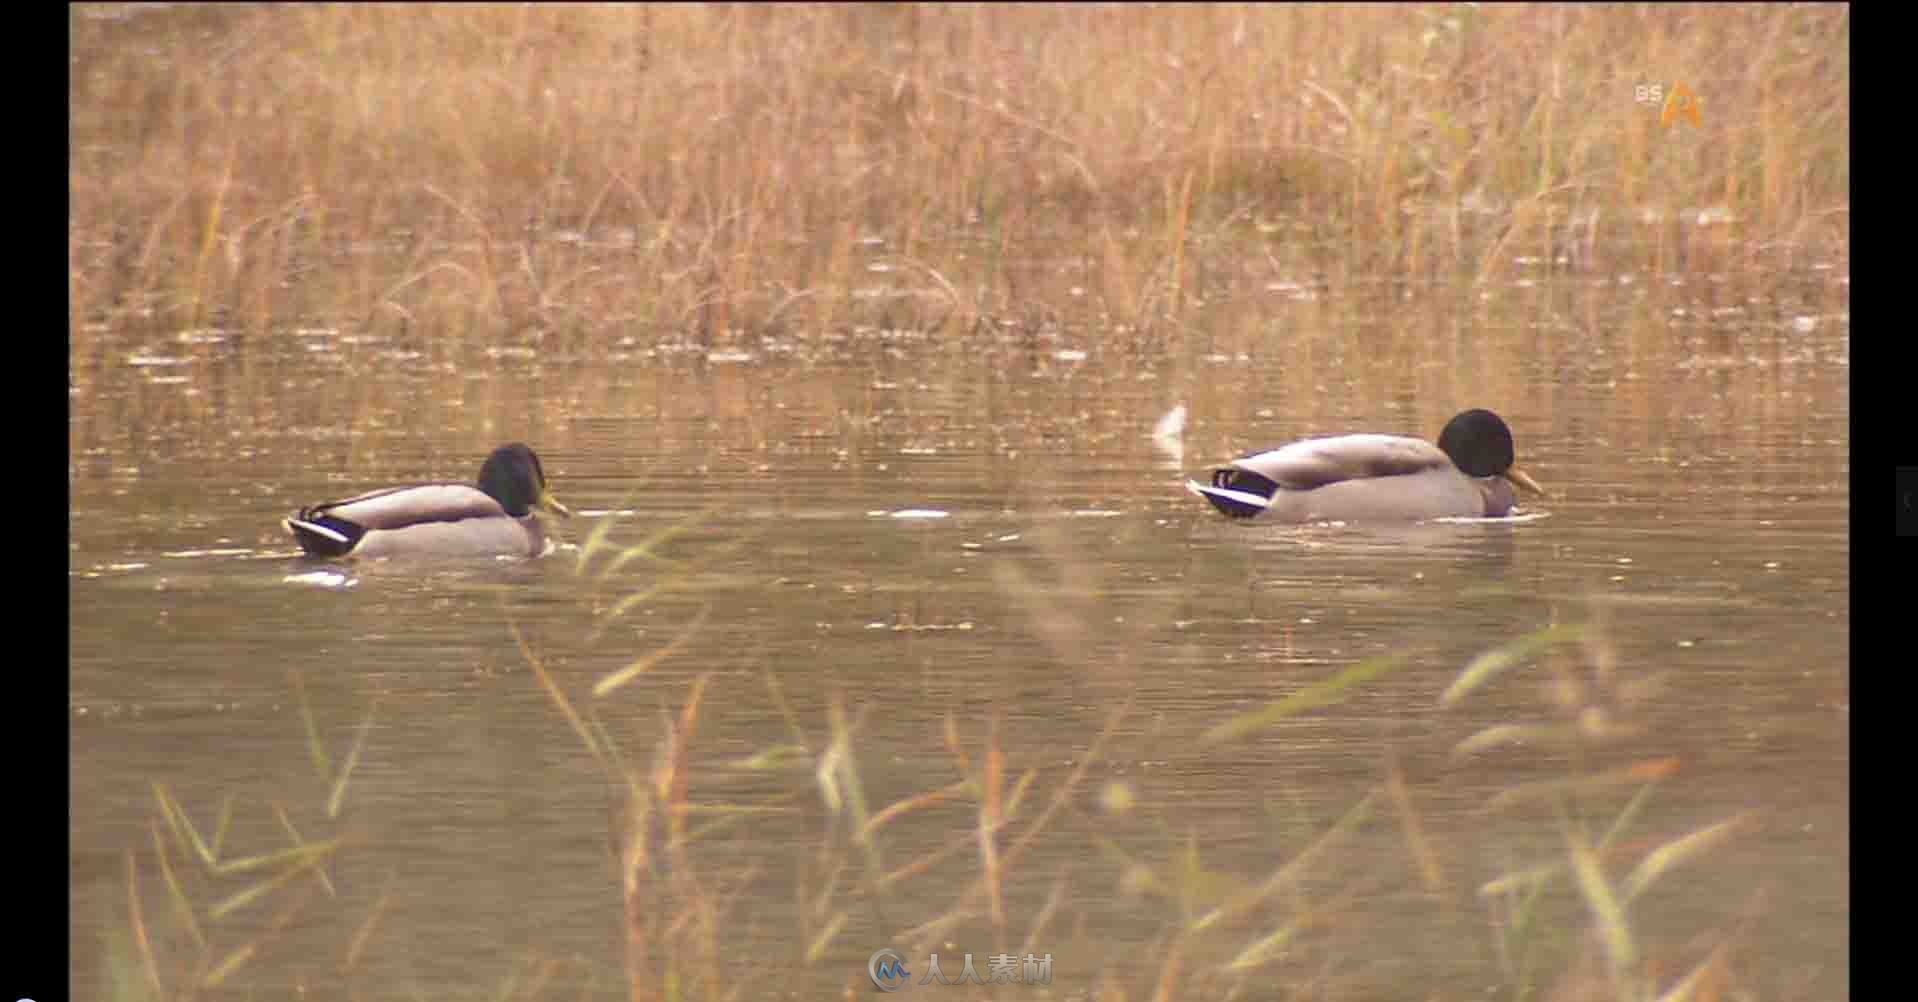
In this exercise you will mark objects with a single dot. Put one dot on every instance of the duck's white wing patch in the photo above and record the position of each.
(1227, 494)
(1229, 502)
(296, 525)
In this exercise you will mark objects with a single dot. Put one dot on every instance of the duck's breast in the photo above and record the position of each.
(477, 537)
(1403, 498)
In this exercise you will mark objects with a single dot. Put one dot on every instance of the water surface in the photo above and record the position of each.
(984, 538)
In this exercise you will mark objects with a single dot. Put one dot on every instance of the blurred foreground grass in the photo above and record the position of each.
(1567, 918)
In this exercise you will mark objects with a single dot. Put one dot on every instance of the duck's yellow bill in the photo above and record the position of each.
(1524, 479)
(551, 503)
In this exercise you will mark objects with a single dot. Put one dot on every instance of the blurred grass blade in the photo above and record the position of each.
(1704, 981)
(337, 797)
(839, 780)
(230, 966)
(1291, 870)
(900, 808)
(298, 840)
(1017, 796)
(1682, 850)
(558, 696)
(991, 780)
(1036, 928)
(1604, 905)
(1552, 789)
(1114, 852)
(596, 539)
(1519, 880)
(822, 942)
(1626, 816)
(1329, 691)
(226, 820)
(315, 747)
(1554, 735)
(299, 856)
(614, 680)
(826, 776)
(643, 548)
(786, 713)
(306, 857)
(1492, 663)
(954, 845)
(1264, 951)
(182, 827)
(661, 536)
(1424, 854)
(136, 916)
(176, 895)
(608, 744)
(775, 758)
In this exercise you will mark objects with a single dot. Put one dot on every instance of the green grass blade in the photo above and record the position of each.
(1329, 691)
(176, 894)
(299, 841)
(1264, 951)
(226, 820)
(182, 827)
(1520, 880)
(596, 539)
(304, 858)
(1552, 735)
(337, 797)
(303, 855)
(820, 943)
(558, 696)
(1607, 911)
(614, 680)
(315, 747)
(230, 966)
(1291, 870)
(1681, 850)
(1496, 661)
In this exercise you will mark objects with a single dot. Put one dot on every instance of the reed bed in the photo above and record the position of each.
(574, 175)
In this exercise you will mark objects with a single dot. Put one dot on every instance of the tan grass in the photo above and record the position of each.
(591, 171)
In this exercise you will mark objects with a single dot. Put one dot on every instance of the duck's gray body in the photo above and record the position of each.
(447, 520)
(1375, 478)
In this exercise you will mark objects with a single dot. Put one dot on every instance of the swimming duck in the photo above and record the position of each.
(1377, 478)
(494, 519)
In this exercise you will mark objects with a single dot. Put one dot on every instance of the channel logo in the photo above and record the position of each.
(888, 970)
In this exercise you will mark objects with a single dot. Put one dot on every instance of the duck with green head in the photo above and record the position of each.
(496, 518)
(1470, 473)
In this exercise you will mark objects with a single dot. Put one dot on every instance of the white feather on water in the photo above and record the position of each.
(1169, 435)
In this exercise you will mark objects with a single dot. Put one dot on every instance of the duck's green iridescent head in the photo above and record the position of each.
(1481, 446)
(513, 476)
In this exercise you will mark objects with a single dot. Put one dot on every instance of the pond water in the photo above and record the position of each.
(976, 541)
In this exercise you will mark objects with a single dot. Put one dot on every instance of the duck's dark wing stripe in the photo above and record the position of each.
(399, 507)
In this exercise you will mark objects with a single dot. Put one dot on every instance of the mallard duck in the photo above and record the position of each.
(493, 519)
(1377, 478)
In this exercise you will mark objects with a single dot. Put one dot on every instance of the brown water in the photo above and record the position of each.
(924, 529)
